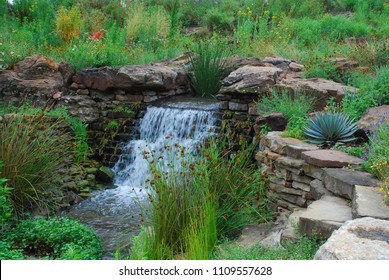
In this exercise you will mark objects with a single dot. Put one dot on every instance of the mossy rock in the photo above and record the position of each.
(105, 174)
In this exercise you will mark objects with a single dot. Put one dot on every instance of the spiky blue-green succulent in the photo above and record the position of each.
(327, 128)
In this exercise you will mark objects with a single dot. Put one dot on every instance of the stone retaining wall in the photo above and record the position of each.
(108, 98)
(300, 173)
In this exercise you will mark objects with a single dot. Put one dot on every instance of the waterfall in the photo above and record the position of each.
(114, 212)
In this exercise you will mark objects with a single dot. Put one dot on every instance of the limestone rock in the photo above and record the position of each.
(318, 88)
(81, 106)
(279, 62)
(235, 62)
(317, 189)
(324, 216)
(313, 171)
(134, 77)
(290, 233)
(277, 143)
(369, 202)
(342, 181)
(330, 158)
(233, 106)
(275, 121)
(360, 239)
(250, 80)
(293, 165)
(36, 78)
(296, 149)
(296, 67)
(372, 119)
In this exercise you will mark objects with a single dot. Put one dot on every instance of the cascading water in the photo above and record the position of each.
(115, 213)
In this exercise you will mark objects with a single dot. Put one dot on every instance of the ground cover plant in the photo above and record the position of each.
(54, 238)
(304, 248)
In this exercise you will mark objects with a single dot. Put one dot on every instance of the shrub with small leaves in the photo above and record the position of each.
(327, 128)
(55, 238)
(68, 23)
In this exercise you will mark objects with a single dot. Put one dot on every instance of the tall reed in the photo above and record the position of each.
(207, 68)
(32, 149)
(196, 201)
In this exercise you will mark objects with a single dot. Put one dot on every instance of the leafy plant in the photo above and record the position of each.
(206, 68)
(55, 238)
(327, 128)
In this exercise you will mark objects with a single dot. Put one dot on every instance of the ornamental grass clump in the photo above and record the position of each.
(33, 149)
(197, 201)
(328, 128)
(207, 68)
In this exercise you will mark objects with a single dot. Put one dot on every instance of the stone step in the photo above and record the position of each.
(330, 158)
(341, 182)
(369, 202)
(291, 147)
(321, 217)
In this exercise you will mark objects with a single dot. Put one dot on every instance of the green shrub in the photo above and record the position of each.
(207, 68)
(327, 128)
(33, 148)
(355, 103)
(55, 238)
(373, 91)
(68, 23)
(357, 151)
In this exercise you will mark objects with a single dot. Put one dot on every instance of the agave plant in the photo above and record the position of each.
(327, 128)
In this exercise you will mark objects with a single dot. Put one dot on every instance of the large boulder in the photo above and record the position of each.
(373, 118)
(320, 89)
(36, 78)
(250, 80)
(134, 77)
(359, 239)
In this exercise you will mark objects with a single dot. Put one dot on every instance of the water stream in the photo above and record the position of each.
(115, 214)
